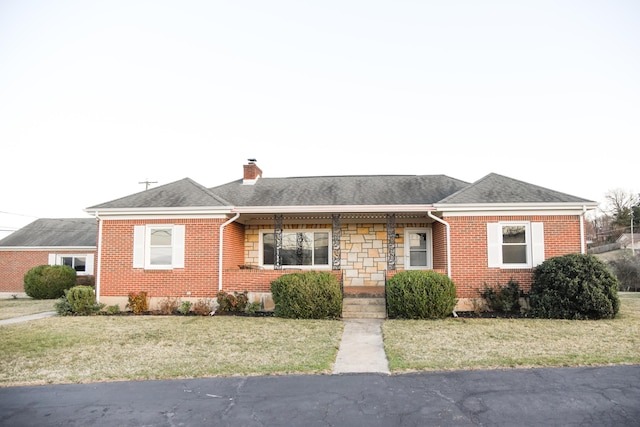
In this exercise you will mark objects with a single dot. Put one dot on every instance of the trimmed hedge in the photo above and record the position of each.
(574, 286)
(49, 281)
(79, 300)
(418, 294)
(308, 295)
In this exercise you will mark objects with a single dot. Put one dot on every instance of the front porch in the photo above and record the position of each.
(362, 250)
(363, 247)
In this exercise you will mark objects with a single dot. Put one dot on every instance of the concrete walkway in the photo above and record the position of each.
(27, 318)
(361, 349)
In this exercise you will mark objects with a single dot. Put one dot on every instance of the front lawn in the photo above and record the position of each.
(103, 348)
(109, 348)
(16, 307)
(472, 343)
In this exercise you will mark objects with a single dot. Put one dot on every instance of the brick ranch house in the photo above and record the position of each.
(188, 241)
(53, 241)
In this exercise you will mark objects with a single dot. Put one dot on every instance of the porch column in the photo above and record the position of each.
(391, 242)
(277, 244)
(336, 255)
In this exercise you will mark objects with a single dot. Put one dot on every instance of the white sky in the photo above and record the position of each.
(96, 96)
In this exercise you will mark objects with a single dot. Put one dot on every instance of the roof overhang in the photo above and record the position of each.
(332, 209)
(48, 248)
(162, 212)
(516, 208)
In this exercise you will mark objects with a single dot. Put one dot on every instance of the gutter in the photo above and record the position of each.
(446, 224)
(221, 250)
(582, 237)
(99, 258)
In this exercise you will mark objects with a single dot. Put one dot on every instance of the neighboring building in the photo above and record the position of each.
(53, 241)
(185, 240)
(629, 241)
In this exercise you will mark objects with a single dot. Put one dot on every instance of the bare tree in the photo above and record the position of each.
(623, 207)
(619, 201)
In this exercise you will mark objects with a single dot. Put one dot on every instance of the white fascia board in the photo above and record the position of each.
(481, 209)
(47, 248)
(332, 209)
(162, 212)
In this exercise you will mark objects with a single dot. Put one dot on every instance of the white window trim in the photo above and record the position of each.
(141, 246)
(407, 249)
(534, 239)
(295, 267)
(56, 259)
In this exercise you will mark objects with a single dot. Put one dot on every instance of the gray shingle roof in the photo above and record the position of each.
(48, 232)
(369, 190)
(178, 194)
(341, 190)
(495, 188)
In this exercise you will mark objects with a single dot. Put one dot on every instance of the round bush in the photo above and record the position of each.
(309, 295)
(574, 286)
(79, 300)
(49, 281)
(419, 294)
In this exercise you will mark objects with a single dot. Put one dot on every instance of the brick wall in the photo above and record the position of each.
(439, 236)
(233, 246)
(363, 252)
(15, 264)
(469, 262)
(199, 278)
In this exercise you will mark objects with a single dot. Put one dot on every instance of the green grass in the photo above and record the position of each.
(15, 307)
(504, 343)
(102, 348)
(109, 348)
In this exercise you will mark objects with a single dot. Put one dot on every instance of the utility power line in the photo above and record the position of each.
(146, 183)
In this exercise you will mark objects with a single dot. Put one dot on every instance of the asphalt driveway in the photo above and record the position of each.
(604, 396)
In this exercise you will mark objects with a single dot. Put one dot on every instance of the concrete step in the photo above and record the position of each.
(363, 301)
(364, 308)
(363, 291)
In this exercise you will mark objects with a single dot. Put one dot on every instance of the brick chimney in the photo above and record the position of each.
(251, 172)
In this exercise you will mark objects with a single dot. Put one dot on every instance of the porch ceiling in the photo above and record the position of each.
(322, 218)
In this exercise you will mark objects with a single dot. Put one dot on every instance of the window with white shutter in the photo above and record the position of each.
(515, 244)
(158, 247)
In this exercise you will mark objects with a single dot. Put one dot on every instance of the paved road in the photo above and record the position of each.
(608, 396)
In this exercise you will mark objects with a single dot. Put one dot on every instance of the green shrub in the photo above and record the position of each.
(112, 309)
(505, 299)
(62, 306)
(418, 294)
(79, 300)
(138, 302)
(308, 295)
(627, 270)
(232, 303)
(49, 281)
(574, 286)
(253, 308)
(185, 307)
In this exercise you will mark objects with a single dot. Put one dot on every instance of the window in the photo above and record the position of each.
(515, 244)
(78, 263)
(81, 263)
(158, 247)
(417, 249)
(304, 248)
